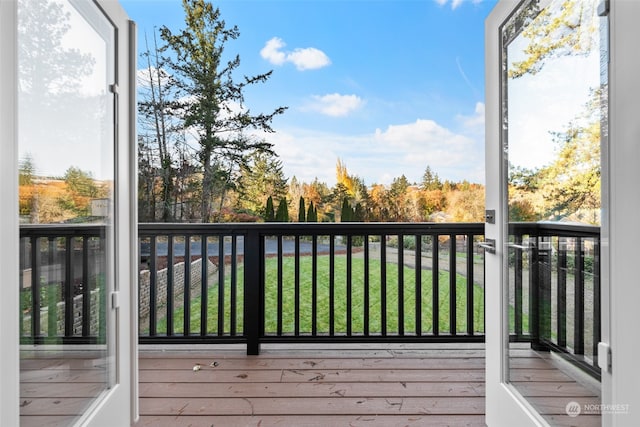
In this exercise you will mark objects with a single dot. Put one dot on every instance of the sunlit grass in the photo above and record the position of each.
(340, 301)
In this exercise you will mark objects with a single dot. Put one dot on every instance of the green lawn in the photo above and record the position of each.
(340, 299)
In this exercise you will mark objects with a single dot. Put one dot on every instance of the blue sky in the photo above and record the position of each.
(387, 86)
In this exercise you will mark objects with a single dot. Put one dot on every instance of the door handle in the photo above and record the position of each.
(516, 246)
(489, 245)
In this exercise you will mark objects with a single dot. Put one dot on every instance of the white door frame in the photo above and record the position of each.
(620, 234)
(623, 235)
(502, 405)
(9, 249)
(120, 406)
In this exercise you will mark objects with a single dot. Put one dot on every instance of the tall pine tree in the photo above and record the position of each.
(212, 97)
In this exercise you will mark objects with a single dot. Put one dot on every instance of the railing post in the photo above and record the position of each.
(36, 268)
(68, 292)
(542, 291)
(517, 287)
(534, 294)
(578, 334)
(253, 294)
(453, 321)
(562, 292)
(596, 300)
(544, 307)
(86, 289)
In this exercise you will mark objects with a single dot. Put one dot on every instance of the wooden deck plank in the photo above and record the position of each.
(31, 390)
(311, 406)
(70, 406)
(47, 420)
(558, 406)
(326, 363)
(313, 386)
(305, 375)
(538, 375)
(61, 363)
(315, 421)
(63, 376)
(579, 421)
(56, 386)
(553, 389)
(294, 353)
(331, 387)
(313, 389)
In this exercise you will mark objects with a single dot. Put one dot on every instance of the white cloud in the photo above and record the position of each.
(335, 104)
(456, 3)
(271, 51)
(308, 58)
(380, 156)
(474, 122)
(145, 75)
(425, 142)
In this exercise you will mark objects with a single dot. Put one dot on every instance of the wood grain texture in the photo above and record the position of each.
(396, 385)
(321, 386)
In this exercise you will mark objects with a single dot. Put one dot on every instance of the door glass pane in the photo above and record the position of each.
(66, 186)
(554, 87)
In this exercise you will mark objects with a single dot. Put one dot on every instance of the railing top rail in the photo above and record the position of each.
(341, 228)
(554, 228)
(294, 228)
(61, 230)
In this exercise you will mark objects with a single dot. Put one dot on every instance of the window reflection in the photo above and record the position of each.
(66, 182)
(554, 114)
(66, 159)
(553, 99)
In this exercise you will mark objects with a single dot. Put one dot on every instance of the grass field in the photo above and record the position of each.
(340, 300)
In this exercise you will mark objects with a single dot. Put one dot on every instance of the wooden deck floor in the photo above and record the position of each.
(359, 385)
(56, 387)
(348, 386)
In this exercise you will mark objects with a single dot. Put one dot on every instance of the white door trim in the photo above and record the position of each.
(122, 402)
(624, 232)
(9, 249)
(504, 407)
(620, 235)
(120, 406)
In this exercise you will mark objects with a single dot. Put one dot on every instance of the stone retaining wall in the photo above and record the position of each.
(144, 286)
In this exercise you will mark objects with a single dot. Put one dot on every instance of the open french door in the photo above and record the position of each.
(562, 153)
(68, 268)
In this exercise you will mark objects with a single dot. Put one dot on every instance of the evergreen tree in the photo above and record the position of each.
(301, 210)
(312, 213)
(81, 182)
(359, 213)
(346, 212)
(26, 171)
(213, 107)
(430, 180)
(260, 178)
(282, 215)
(398, 207)
(269, 215)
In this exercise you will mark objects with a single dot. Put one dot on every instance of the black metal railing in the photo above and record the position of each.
(356, 282)
(62, 284)
(346, 282)
(557, 268)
